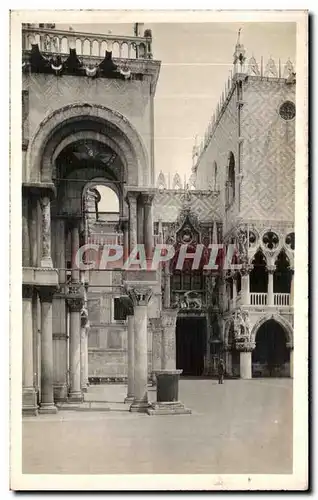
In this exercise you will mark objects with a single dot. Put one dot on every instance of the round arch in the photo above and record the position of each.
(52, 130)
(280, 320)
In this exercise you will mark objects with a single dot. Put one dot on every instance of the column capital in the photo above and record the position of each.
(75, 303)
(27, 291)
(246, 269)
(132, 196)
(156, 324)
(244, 346)
(290, 345)
(147, 198)
(140, 295)
(46, 293)
(271, 269)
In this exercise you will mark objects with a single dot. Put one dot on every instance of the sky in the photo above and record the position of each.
(196, 59)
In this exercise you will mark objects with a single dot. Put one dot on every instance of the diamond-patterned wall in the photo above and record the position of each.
(268, 151)
(204, 204)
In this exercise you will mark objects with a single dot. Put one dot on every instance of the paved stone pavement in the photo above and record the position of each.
(242, 426)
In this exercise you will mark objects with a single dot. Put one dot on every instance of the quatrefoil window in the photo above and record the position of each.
(270, 240)
(290, 241)
(287, 110)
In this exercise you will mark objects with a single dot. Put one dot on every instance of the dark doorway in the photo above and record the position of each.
(191, 345)
(270, 357)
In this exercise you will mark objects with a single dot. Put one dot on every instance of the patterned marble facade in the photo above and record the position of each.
(88, 122)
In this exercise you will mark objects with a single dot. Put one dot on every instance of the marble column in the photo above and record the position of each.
(131, 356)
(26, 257)
(246, 360)
(234, 291)
(29, 404)
(140, 220)
(292, 288)
(46, 259)
(245, 286)
(169, 320)
(270, 289)
(132, 202)
(166, 285)
(228, 360)
(148, 224)
(156, 327)
(125, 230)
(47, 400)
(75, 273)
(75, 304)
(33, 231)
(290, 347)
(140, 297)
(84, 354)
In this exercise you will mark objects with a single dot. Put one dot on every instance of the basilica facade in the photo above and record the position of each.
(88, 136)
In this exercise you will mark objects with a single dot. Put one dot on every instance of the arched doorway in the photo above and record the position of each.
(191, 345)
(271, 357)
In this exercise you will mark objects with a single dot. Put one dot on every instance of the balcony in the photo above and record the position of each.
(258, 299)
(93, 45)
(282, 299)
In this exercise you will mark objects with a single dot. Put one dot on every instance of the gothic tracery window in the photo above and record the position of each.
(287, 110)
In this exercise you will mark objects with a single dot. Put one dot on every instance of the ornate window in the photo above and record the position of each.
(270, 240)
(287, 110)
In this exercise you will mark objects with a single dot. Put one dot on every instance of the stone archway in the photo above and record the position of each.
(271, 356)
(62, 122)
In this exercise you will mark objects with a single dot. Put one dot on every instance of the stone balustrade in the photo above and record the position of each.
(87, 44)
(282, 299)
(258, 299)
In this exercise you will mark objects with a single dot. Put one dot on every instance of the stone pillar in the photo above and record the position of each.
(125, 230)
(33, 231)
(84, 353)
(29, 404)
(234, 291)
(166, 286)
(290, 347)
(140, 220)
(148, 224)
(270, 289)
(46, 259)
(74, 249)
(26, 260)
(140, 297)
(47, 401)
(246, 360)
(228, 360)
(169, 319)
(292, 288)
(60, 250)
(132, 201)
(75, 303)
(245, 286)
(131, 357)
(156, 327)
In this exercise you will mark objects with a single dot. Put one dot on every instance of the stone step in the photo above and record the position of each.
(85, 406)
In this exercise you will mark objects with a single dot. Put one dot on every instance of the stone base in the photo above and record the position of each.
(129, 399)
(75, 397)
(84, 389)
(47, 408)
(168, 408)
(139, 406)
(29, 401)
(88, 406)
(60, 392)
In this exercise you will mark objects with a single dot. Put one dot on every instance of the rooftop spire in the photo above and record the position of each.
(239, 55)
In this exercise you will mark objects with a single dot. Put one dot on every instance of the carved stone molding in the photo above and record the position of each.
(244, 346)
(140, 295)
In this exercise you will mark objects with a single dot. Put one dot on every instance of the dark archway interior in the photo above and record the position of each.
(191, 345)
(259, 276)
(270, 357)
(282, 274)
